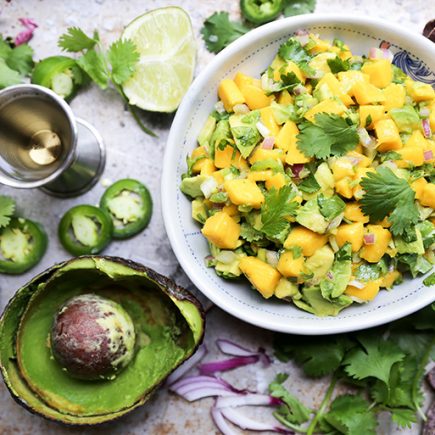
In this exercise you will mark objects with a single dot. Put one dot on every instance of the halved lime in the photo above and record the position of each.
(165, 41)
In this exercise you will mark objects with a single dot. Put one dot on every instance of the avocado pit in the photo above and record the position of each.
(92, 337)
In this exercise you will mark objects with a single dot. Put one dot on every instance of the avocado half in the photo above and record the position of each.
(169, 326)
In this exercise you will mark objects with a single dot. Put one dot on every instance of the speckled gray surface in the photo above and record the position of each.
(131, 153)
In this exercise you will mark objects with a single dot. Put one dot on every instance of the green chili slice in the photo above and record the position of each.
(85, 229)
(261, 11)
(129, 204)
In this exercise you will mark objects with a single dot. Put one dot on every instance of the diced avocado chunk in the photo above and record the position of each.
(230, 270)
(415, 247)
(320, 262)
(406, 119)
(335, 284)
(283, 112)
(323, 92)
(199, 212)
(320, 306)
(310, 217)
(325, 179)
(207, 131)
(245, 132)
(286, 289)
(192, 185)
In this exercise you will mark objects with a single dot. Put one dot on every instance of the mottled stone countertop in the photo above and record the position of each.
(132, 153)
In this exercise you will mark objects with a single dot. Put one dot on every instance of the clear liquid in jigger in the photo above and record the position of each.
(31, 145)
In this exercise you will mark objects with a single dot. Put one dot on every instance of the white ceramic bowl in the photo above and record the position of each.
(251, 54)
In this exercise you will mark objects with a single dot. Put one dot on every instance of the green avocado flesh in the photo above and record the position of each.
(168, 330)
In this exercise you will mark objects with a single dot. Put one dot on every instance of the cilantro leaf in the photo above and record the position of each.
(298, 7)
(351, 415)
(329, 135)
(75, 40)
(123, 58)
(218, 31)
(403, 417)
(429, 280)
(8, 76)
(93, 63)
(374, 358)
(20, 59)
(309, 184)
(387, 193)
(416, 264)
(293, 50)
(317, 356)
(7, 209)
(336, 65)
(249, 233)
(278, 205)
(292, 410)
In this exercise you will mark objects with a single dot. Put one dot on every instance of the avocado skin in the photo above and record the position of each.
(19, 301)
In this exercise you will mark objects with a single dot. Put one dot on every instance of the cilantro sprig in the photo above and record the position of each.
(15, 63)
(7, 210)
(386, 193)
(386, 366)
(329, 135)
(278, 205)
(114, 65)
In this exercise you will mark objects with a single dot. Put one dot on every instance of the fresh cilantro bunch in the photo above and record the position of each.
(384, 368)
(329, 135)
(386, 193)
(7, 210)
(16, 62)
(115, 65)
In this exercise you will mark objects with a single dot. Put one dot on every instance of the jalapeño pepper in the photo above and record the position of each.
(85, 229)
(129, 204)
(22, 244)
(260, 11)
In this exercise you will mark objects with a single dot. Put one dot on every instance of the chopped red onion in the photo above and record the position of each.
(335, 222)
(208, 186)
(264, 131)
(219, 107)
(251, 399)
(303, 38)
(375, 53)
(226, 257)
(301, 32)
(248, 423)
(369, 239)
(299, 89)
(387, 54)
(357, 284)
(228, 364)
(330, 275)
(365, 139)
(230, 348)
(221, 423)
(296, 169)
(187, 365)
(268, 143)
(25, 35)
(241, 109)
(428, 155)
(426, 128)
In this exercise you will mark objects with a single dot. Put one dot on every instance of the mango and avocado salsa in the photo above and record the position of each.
(316, 180)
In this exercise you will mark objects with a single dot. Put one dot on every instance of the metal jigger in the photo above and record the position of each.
(42, 143)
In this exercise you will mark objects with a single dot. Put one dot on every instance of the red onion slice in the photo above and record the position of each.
(358, 284)
(25, 35)
(247, 400)
(268, 143)
(264, 131)
(187, 365)
(230, 348)
(369, 239)
(221, 423)
(428, 155)
(212, 367)
(426, 128)
(296, 169)
(248, 423)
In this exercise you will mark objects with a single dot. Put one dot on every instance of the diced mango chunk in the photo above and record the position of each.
(260, 175)
(365, 294)
(286, 140)
(207, 168)
(261, 275)
(267, 118)
(198, 152)
(390, 278)
(387, 135)
(353, 213)
(276, 181)
(419, 91)
(260, 154)
(349, 78)
(222, 230)
(428, 195)
(289, 266)
(373, 253)
(244, 192)
(366, 93)
(367, 112)
(379, 71)
(230, 94)
(305, 239)
(417, 186)
(394, 96)
(341, 168)
(352, 233)
(411, 156)
(326, 106)
(344, 188)
(229, 157)
(335, 87)
(285, 97)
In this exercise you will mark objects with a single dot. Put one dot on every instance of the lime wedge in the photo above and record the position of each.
(165, 41)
